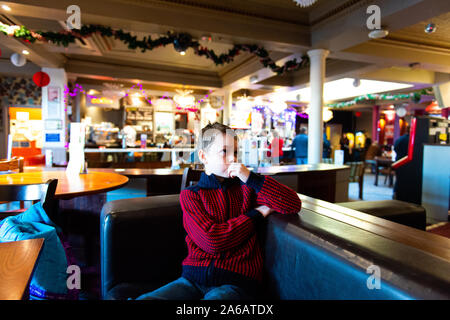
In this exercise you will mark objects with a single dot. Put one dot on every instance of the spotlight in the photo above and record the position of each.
(6, 8)
(379, 33)
(182, 53)
(25, 52)
(430, 28)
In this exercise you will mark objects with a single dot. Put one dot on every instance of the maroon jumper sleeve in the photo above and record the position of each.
(274, 195)
(210, 236)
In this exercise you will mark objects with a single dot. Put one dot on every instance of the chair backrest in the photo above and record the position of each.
(373, 151)
(190, 177)
(356, 170)
(15, 163)
(43, 192)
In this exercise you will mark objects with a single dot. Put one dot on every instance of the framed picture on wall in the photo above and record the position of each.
(53, 94)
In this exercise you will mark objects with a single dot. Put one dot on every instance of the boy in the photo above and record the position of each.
(220, 215)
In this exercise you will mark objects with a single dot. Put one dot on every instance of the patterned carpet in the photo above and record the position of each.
(442, 229)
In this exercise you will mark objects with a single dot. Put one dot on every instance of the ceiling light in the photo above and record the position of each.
(25, 52)
(327, 114)
(6, 8)
(243, 103)
(430, 28)
(378, 34)
(184, 98)
(253, 79)
(182, 53)
(305, 3)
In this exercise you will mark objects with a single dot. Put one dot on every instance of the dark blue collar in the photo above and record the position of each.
(211, 182)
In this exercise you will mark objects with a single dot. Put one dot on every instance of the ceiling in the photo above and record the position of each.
(286, 30)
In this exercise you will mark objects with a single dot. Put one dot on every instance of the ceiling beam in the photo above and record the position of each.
(104, 71)
(348, 28)
(8, 69)
(159, 17)
(335, 69)
(393, 52)
(38, 55)
(405, 75)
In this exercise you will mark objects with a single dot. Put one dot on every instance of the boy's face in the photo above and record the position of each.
(220, 154)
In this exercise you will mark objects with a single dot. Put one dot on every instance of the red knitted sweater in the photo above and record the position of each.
(220, 221)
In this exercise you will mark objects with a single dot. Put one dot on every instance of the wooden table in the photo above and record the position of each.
(69, 186)
(324, 181)
(17, 261)
(383, 162)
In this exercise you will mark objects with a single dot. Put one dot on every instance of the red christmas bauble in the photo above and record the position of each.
(41, 79)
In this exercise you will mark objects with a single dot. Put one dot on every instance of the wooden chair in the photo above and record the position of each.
(190, 177)
(43, 192)
(357, 174)
(16, 163)
(373, 151)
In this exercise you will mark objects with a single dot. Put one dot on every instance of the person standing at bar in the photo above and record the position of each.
(276, 147)
(300, 145)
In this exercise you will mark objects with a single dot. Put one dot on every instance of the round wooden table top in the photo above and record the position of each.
(69, 185)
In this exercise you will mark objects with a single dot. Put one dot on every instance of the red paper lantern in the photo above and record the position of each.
(358, 114)
(41, 79)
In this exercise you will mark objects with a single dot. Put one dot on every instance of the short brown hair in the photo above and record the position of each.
(210, 132)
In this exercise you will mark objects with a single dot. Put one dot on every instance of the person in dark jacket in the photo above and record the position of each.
(401, 150)
(300, 145)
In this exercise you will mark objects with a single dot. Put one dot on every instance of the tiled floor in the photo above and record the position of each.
(370, 191)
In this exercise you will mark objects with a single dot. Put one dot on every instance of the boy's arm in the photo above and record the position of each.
(210, 236)
(273, 194)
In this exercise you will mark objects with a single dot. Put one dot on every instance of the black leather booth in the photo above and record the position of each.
(307, 256)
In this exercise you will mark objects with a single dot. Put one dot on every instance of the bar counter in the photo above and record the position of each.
(323, 181)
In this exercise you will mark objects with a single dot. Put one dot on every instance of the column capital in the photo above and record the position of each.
(321, 53)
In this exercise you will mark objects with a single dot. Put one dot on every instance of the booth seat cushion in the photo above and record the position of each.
(408, 214)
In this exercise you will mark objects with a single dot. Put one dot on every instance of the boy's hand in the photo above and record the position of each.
(238, 170)
(265, 210)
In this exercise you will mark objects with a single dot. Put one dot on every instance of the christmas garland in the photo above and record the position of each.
(180, 41)
(414, 96)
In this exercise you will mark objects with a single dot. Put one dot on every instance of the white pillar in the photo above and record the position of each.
(54, 114)
(315, 123)
(228, 101)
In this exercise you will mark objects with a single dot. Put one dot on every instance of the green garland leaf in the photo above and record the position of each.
(184, 40)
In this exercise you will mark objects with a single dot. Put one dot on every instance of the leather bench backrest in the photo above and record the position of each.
(307, 256)
(142, 241)
(299, 268)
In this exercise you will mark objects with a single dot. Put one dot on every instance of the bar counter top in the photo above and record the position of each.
(286, 169)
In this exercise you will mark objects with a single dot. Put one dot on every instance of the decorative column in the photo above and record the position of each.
(396, 127)
(228, 101)
(315, 123)
(54, 115)
(375, 119)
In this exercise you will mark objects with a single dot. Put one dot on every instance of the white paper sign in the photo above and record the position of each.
(76, 163)
(339, 157)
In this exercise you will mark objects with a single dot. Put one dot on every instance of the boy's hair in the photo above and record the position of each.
(210, 132)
